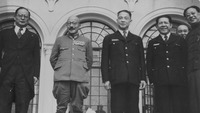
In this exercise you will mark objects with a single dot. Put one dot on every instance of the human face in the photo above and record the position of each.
(192, 16)
(123, 20)
(73, 25)
(21, 18)
(164, 25)
(182, 30)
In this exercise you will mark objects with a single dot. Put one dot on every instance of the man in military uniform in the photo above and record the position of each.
(71, 59)
(166, 67)
(123, 66)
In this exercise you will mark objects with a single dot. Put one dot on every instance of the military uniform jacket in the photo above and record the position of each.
(166, 61)
(71, 58)
(24, 51)
(122, 59)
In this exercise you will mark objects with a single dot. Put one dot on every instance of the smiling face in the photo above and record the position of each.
(73, 25)
(22, 17)
(182, 30)
(164, 25)
(192, 16)
(123, 20)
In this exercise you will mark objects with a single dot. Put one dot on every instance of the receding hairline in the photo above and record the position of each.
(20, 8)
(183, 25)
(74, 18)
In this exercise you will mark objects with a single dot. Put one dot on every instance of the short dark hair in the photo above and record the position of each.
(164, 16)
(193, 6)
(16, 11)
(126, 11)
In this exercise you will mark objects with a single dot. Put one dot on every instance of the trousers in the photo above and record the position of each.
(70, 92)
(124, 98)
(171, 99)
(15, 88)
(194, 91)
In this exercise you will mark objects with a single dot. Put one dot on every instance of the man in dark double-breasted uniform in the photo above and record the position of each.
(166, 65)
(123, 66)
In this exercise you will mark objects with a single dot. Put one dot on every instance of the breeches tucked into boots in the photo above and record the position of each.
(71, 92)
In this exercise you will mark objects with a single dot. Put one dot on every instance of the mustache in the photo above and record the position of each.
(72, 28)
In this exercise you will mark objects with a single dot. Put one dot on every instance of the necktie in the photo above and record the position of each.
(19, 33)
(124, 34)
(166, 38)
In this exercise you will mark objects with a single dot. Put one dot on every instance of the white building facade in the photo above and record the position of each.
(98, 19)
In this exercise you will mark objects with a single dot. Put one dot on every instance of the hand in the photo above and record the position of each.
(142, 84)
(107, 85)
(35, 80)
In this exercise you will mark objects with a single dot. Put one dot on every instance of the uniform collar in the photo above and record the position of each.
(122, 32)
(168, 35)
(73, 37)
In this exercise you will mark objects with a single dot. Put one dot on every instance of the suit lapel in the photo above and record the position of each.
(13, 35)
(159, 39)
(129, 37)
(25, 38)
(119, 36)
(171, 39)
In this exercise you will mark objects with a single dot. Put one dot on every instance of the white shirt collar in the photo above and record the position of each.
(17, 29)
(168, 35)
(122, 32)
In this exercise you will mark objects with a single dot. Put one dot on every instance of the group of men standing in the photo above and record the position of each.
(172, 65)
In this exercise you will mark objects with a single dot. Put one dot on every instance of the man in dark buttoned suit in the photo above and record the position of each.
(123, 66)
(19, 63)
(192, 15)
(166, 63)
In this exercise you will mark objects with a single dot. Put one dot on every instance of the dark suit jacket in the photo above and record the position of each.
(122, 60)
(166, 61)
(193, 42)
(25, 50)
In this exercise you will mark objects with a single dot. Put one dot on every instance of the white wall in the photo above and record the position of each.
(50, 24)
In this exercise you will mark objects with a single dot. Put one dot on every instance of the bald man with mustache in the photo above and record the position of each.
(71, 59)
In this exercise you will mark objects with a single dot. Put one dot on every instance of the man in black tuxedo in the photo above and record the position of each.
(123, 66)
(19, 63)
(166, 68)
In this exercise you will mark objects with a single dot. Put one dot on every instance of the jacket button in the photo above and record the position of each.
(168, 66)
(127, 62)
(167, 58)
